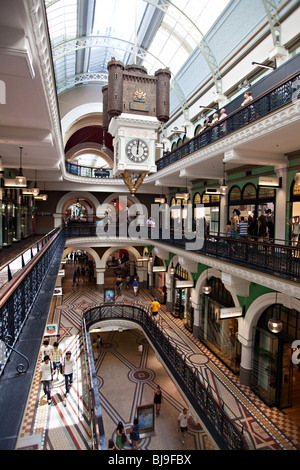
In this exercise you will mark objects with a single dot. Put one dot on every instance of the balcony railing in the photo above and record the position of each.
(11, 268)
(88, 172)
(221, 422)
(279, 258)
(18, 296)
(271, 101)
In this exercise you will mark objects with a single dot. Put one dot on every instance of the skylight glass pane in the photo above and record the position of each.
(183, 25)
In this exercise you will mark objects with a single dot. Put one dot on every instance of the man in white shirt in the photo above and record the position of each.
(46, 377)
(67, 371)
(183, 423)
(46, 349)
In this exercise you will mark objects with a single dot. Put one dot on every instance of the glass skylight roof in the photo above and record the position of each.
(109, 30)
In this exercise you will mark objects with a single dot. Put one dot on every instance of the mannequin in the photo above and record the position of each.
(235, 219)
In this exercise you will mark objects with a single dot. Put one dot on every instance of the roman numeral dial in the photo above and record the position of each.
(137, 150)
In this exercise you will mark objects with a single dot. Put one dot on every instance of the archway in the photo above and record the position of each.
(122, 262)
(90, 202)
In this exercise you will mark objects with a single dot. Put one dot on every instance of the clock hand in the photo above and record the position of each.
(137, 148)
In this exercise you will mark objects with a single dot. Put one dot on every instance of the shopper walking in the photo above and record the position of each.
(46, 377)
(56, 359)
(155, 306)
(46, 349)
(157, 399)
(135, 286)
(67, 370)
(121, 436)
(183, 423)
(135, 433)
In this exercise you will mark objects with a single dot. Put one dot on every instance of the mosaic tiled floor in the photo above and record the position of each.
(65, 423)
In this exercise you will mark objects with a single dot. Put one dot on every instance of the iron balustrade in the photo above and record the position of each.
(12, 267)
(275, 98)
(88, 172)
(18, 296)
(228, 432)
(279, 258)
(271, 101)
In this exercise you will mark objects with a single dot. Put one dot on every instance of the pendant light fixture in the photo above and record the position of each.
(224, 187)
(275, 324)
(206, 288)
(172, 269)
(21, 181)
(35, 189)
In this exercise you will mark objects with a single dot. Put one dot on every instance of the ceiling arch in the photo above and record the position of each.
(85, 35)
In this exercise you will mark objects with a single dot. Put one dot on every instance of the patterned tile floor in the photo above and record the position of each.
(64, 425)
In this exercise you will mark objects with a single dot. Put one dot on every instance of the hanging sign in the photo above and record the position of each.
(233, 312)
(159, 269)
(269, 182)
(184, 284)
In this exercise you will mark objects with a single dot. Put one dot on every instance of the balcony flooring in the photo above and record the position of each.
(126, 379)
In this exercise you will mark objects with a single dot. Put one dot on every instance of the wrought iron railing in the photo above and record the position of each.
(19, 295)
(278, 258)
(88, 172)
(271, 101)
(221, 422)
(12, 267)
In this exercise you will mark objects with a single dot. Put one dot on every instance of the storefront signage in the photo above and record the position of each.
(270, 182)
(234, 312)
(212, 191)
(159, 269)
(57, 291)
(51, 329)
(184, 284)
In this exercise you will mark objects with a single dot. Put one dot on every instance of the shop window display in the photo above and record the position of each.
(220, 336)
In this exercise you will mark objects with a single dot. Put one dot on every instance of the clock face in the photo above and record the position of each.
(137, 150)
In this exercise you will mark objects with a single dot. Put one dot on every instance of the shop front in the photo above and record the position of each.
(158, 286)
(257, 206)
(219, 334)
(294, 221)
(17, 216)
(182, 305)
(210, 211)
(275, 378)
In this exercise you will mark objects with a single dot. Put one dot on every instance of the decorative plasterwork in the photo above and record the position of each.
(43, 54)
(251, 132)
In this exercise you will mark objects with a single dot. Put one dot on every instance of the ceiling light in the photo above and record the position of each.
(275, 324)
(20, 179)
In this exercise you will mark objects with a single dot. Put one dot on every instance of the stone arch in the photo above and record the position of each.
(81, 149)
(205, 275)
(257, 308)
(108, 252)
(68, 197)
(85, 114)
(91, 251)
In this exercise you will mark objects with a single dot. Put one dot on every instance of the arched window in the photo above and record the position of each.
(235, 194)
(249, 191)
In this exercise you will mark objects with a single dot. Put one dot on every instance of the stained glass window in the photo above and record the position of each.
(249, 191)
(235, 194)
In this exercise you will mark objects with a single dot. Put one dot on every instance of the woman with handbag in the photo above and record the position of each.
(135, 434)
(121, 436)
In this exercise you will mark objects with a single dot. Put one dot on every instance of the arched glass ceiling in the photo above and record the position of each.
(168, 30)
